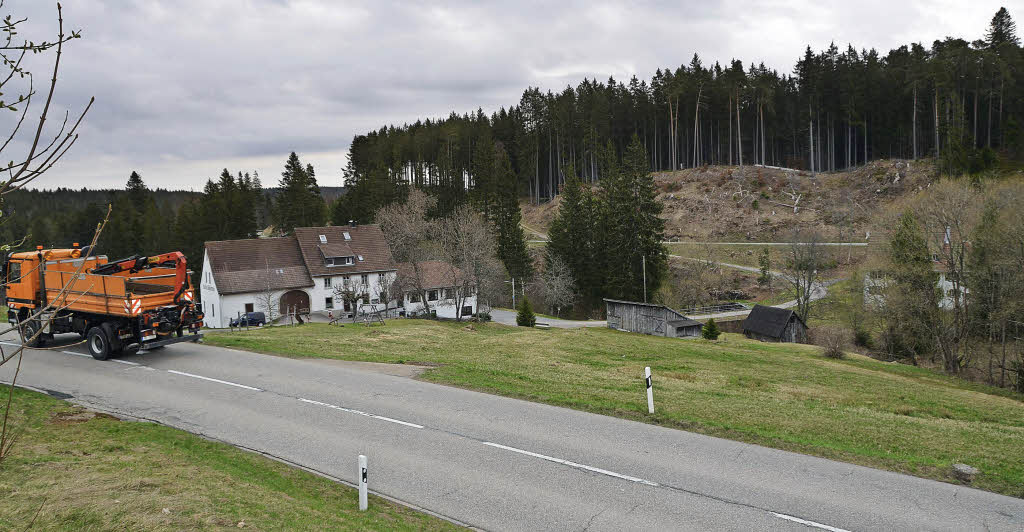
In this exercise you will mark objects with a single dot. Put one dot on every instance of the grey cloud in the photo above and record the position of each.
(243, 82)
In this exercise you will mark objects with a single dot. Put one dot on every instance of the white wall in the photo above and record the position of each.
(444, 307)
(219, 309)
(318, 294)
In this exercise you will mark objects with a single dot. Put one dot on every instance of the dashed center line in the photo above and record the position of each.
(573, 464)
(361, 413)
(229, 383)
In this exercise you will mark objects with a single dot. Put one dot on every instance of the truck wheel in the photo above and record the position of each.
(31, 328)
(99, 344)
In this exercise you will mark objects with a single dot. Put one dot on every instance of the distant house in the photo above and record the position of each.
(297, 273)
(773, 324)
(648, 318)
(444, 287)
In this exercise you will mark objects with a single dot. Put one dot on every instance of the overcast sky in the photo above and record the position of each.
(185, 88)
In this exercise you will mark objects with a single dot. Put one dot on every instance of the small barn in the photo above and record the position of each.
(648, 318)
(773, 324)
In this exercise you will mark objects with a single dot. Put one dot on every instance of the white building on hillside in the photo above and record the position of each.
(296, 274)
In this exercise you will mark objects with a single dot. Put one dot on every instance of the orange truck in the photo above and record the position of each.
(119, 307)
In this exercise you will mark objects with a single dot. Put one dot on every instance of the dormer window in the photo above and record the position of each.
(340, 261)
(360, 258)
(323, 239)
(347, 235)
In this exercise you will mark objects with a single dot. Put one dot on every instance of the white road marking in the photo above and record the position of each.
(119, 361)
(76, 354)
(573, 464)
(809, 523)
(214, 380)
(361, 413)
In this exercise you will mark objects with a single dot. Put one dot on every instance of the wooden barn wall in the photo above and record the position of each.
(637, 318)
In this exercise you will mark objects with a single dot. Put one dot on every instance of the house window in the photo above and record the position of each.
(348, 306)
(366, 279)
(375, 301)
(360, 258)
(432, 295)
(329, 302)
(249, 307)
(323, 239)
(414, 297)
(327, 282)
(346, 279)
(347, 236)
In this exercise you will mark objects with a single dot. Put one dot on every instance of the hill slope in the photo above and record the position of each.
(753, 203)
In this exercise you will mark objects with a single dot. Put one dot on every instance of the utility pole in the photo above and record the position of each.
(513, 292)
(645, 277)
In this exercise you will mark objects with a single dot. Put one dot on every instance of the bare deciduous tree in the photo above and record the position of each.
(408, 232)
(558, 285)
(805, 258)
(470, 248)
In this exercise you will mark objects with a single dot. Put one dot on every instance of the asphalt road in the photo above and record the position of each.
(504, 464)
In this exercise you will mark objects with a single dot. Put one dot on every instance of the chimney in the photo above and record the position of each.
(352, 223)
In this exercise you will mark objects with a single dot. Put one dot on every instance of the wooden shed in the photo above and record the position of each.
(773, 324)
(648, 318)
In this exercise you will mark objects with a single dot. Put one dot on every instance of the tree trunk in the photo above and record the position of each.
(810, 135)
(739, 130)
(938, 152)
(913, 125)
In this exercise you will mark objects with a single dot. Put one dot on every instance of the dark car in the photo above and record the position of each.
(250, 319)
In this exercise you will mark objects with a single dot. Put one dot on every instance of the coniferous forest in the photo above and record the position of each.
(959, 100)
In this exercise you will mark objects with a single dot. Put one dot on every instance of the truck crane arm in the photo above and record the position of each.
(137, 263)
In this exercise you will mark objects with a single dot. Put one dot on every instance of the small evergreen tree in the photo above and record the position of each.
(710, 330)
(525, 316)
(765, 261)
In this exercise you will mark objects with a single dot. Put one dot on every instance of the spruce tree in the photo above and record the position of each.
(633, 230)
(1002, 30)
(507, 219)
(525, 316)
(574, 237)
(298, 203)
(710, 331)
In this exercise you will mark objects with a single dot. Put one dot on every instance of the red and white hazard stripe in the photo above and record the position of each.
(132, 306)
(187, 296)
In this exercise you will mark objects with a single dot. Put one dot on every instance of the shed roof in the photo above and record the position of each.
(769, 321)
(257, 264)
(686, 322)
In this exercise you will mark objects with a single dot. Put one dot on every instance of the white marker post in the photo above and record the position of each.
(362, 483)
(650, 391)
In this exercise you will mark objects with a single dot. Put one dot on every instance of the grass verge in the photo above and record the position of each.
(72, 469)
(787, 396)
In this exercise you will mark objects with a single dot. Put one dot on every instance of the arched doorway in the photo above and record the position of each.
(294, 301)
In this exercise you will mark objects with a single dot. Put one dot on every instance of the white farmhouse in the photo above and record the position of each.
(295, 274)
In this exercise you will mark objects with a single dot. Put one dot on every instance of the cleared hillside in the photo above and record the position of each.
(761, 204)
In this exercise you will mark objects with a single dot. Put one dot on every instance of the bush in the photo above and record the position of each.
(710, 330)
(525, 317)
(833, 340)
(484, 316)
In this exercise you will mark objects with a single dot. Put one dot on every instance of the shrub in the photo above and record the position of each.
(833, 340)
(710, 330)
(525, 317)
(484, 316)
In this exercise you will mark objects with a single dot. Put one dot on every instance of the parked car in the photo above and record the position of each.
(250, 319)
